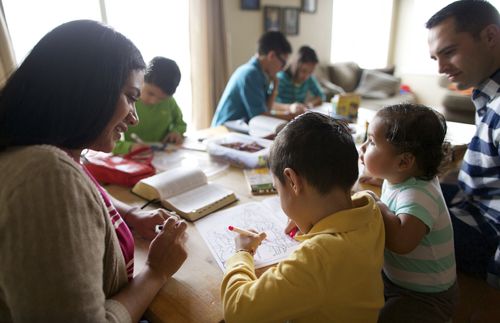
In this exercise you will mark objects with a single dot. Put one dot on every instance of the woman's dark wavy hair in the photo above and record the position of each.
(419, 130)
(66, 90)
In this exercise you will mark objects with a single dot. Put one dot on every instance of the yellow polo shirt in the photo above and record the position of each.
(334, 275)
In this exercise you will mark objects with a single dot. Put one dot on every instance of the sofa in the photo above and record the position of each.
(457, 104)
(377, 87)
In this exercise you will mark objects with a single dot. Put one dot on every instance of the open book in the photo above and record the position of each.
(266, 216)
(264, 126)
(185, 191)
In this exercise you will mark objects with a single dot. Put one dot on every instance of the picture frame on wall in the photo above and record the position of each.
(272, 18)
(250, 4)
(290, 21)
(309, 6)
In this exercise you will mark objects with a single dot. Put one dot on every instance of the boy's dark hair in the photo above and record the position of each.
(305, 55)
(164, 73)
(67, 89)
(273, 41)
(470, 16)
(320, 149)
(419, 130)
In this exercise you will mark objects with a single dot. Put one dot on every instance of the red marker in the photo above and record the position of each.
(293, 232)
(242, 231)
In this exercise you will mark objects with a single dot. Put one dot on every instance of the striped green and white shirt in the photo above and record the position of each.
(430, 267)
(289, 92)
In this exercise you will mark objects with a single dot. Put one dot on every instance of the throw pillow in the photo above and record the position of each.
(377, 85)
(346, 75)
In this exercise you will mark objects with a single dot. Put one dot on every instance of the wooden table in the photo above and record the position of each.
(193, 293)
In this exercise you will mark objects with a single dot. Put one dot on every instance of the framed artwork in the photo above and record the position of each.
(250, 4)
(309, 6)
(272, 18)
(290, 21)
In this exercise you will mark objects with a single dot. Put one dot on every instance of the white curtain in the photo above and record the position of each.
(209, 58)
(7, 58)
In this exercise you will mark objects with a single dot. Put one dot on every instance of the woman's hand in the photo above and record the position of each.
(249, 243)
(167, 251)
(144, 222)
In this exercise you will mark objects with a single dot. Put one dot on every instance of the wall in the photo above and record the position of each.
(244, 27)
(408, 50)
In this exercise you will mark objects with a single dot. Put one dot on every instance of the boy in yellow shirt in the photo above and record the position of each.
(334, 275)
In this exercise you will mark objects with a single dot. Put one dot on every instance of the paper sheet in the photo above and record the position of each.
(265, 216)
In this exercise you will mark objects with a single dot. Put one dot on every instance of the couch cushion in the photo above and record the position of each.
(377, 85)
(346, 75)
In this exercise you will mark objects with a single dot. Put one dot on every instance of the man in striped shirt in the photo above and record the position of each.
(464, 38)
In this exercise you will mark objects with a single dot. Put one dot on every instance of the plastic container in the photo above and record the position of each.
(236, 157)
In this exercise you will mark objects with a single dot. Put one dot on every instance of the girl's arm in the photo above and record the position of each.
(403, 232)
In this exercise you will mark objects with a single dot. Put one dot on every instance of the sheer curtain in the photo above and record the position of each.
(209, 58)
(7, 58)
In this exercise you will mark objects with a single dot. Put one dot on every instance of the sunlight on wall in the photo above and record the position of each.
(360, 35)
(411, 44)
(28, 21)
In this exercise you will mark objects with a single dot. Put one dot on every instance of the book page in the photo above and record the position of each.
(263, 126)
(176, 181)
(254, 215)
(198, 198)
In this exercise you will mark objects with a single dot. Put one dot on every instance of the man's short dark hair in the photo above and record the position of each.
(470, 16)
(273, 41)
(164, 73)
(320, 149)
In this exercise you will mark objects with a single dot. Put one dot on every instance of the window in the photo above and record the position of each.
(411, 47)
(157, 28)
(29, 21)
(358, 34)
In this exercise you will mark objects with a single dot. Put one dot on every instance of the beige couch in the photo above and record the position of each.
(377, 88)
(457, 104)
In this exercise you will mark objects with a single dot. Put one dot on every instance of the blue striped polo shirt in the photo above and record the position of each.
(479, 177)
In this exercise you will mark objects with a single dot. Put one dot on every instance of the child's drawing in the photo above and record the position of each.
(253, 215)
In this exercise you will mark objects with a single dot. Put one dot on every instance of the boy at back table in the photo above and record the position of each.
(159, 115)
(334, 275)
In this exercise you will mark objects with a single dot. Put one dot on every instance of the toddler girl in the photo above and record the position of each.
(405, 146)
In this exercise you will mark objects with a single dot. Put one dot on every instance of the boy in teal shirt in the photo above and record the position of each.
(160, 118)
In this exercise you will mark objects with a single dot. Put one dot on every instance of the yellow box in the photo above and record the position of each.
(346, 106)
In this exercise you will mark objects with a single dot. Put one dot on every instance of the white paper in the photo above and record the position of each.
(199, 197)
(265, 216)
(176, 181)
(263, 126)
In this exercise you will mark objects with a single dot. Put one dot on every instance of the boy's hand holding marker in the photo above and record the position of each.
(247, 240)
